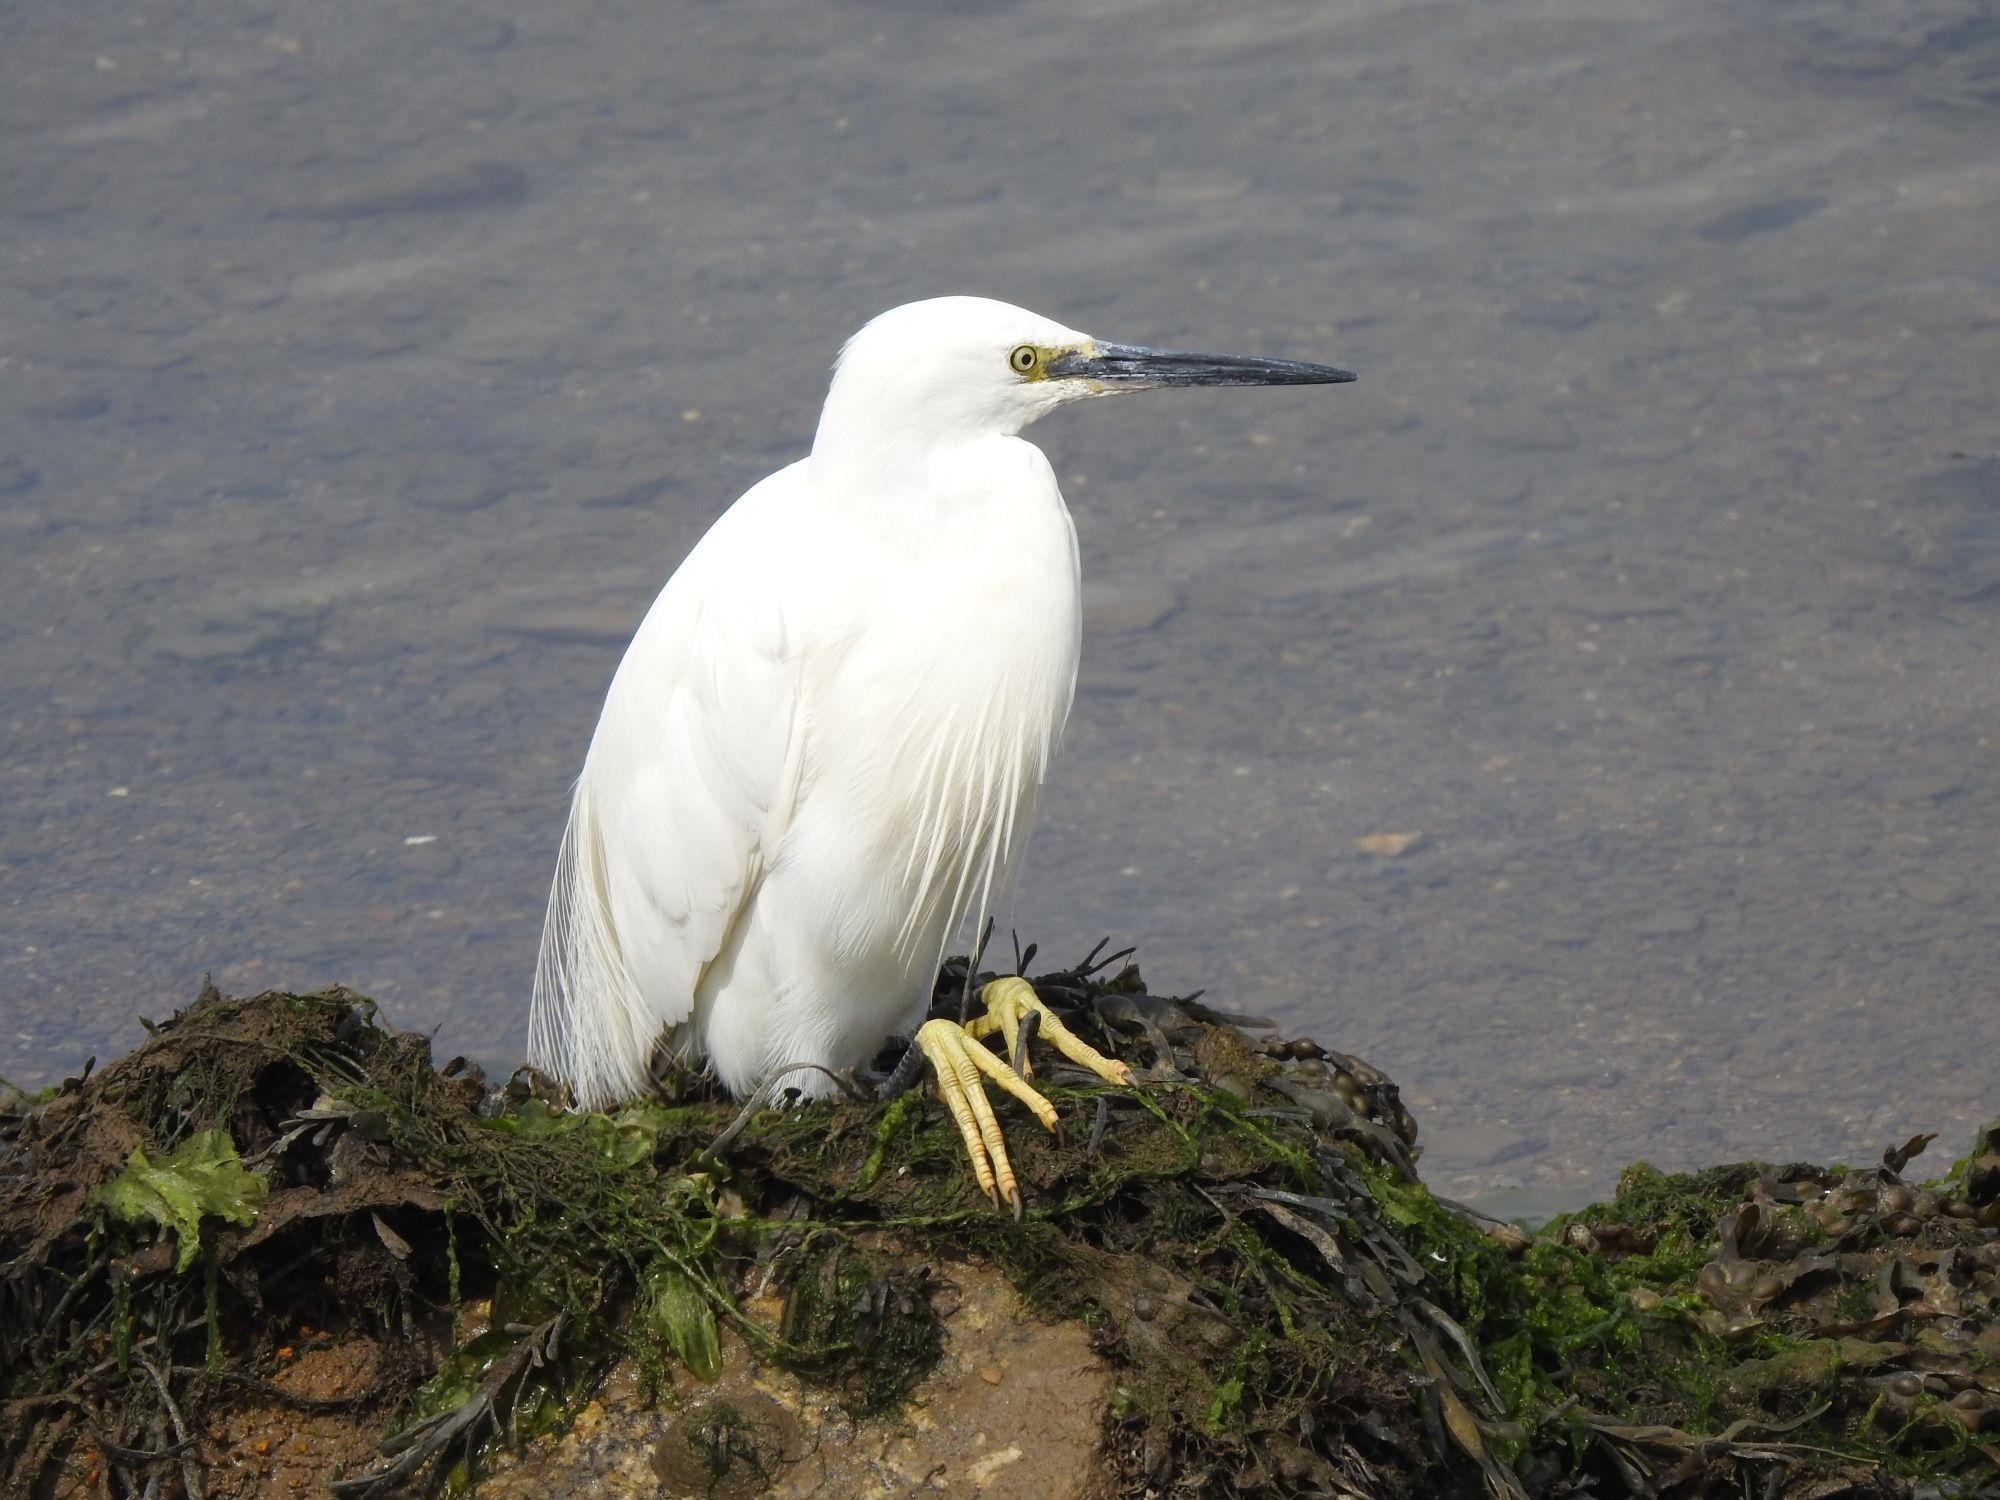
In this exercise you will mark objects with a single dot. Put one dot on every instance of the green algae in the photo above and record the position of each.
(201, 1178)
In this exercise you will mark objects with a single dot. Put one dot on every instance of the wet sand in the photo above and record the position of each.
(363, 373)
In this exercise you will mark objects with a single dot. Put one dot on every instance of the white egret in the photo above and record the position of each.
(818, 758)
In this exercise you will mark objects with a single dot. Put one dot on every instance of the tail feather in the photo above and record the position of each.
(588, 1024)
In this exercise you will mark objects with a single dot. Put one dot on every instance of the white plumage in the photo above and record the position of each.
(822, 751)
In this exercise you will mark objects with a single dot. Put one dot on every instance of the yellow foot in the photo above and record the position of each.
(958, 1060)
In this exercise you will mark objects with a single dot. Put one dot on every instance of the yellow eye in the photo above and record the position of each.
(1026, 360)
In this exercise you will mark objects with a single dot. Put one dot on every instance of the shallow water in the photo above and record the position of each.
(364, 370)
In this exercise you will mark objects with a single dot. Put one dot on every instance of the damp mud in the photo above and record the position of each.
(277, 1250)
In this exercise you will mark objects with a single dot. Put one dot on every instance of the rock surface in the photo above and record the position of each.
(1014, 1410)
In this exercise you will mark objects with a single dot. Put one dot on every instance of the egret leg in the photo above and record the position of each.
(959, 1062)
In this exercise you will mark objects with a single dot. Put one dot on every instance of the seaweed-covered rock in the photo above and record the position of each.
(276, 1250)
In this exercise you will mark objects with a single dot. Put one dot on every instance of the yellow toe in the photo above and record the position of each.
(962, 1065)
(952, 1059)
(1008, 1000)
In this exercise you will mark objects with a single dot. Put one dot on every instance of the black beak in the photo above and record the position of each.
(1129, 367)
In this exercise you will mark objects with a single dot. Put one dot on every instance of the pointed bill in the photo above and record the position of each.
(1133, 367)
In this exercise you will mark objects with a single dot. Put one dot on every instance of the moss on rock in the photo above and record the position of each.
(1286, 1308)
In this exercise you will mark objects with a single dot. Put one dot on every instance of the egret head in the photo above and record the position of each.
(957, 368)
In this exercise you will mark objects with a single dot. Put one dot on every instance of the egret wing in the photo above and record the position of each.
(683, 800)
